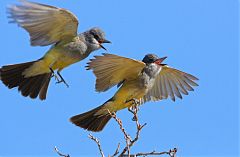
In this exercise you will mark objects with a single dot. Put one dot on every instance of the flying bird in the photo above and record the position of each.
(142, 81)
(48, 25)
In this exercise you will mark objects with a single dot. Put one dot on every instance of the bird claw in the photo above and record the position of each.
(62, 81)
(136, 104)
(54, 75)
(59, 80)
(134, 118)
(134, 108)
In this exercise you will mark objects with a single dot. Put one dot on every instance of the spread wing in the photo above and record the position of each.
(170, 83)
(45, 24)
(111, 70)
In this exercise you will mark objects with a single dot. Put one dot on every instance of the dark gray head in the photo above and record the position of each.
(152, 58)
(96, 36)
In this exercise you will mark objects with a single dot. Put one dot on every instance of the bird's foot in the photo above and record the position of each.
(58, 80)
(136, 102)
(134, 118)
(134, 108)
(61, 79)
(54, 75)
(133, 111)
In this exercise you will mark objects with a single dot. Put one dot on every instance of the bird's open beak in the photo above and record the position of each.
(160, 60)
(106, 41)
(102, 47)
(103, 41)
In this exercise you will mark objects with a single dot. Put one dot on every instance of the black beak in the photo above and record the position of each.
(106, 41)
(103, 41)
(160, 60)
(102, 47)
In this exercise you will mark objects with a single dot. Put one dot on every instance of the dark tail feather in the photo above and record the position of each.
(12, 76)
(90, 120)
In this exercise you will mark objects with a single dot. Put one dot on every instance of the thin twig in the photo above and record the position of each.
(60, 154)
(98, 143)
(171, 153)
(134, 110)
(129, 142)
(126, 136)
(116, 151)
(139, 126)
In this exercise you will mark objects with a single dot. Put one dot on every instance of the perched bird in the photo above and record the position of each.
(149, 80)
(48, 25)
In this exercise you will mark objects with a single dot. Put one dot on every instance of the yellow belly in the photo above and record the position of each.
(127, 92)
(58, 60)
(55, 58)
(63, 63)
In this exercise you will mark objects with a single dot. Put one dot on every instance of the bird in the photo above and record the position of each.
(138, 81)
(48, 25)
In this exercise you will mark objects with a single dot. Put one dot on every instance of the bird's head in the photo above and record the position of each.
(152, 58)
(96, 37)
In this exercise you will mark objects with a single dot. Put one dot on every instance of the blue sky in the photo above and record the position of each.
(198, 36)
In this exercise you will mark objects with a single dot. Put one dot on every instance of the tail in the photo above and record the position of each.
(94, 120)
(32, 86)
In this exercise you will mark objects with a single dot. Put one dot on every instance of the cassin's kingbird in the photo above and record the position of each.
(48, 25)
(149, 80)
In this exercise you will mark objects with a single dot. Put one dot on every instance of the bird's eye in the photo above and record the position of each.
(151, 59)
(96, 37)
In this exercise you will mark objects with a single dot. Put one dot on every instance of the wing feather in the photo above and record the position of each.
(169, 83)
(174, 87)
(179, 84)
(164, 89)
(45, 24)
(169, 88)
(110, 70)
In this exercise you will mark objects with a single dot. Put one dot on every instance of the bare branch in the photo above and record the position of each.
(117, 151)
(134, 110)
(129, 142)
(171, 153)
(98, 143)
(126, 136)
(60, 154)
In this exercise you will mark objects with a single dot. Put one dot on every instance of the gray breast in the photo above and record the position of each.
(148, 75)
(77, 48)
